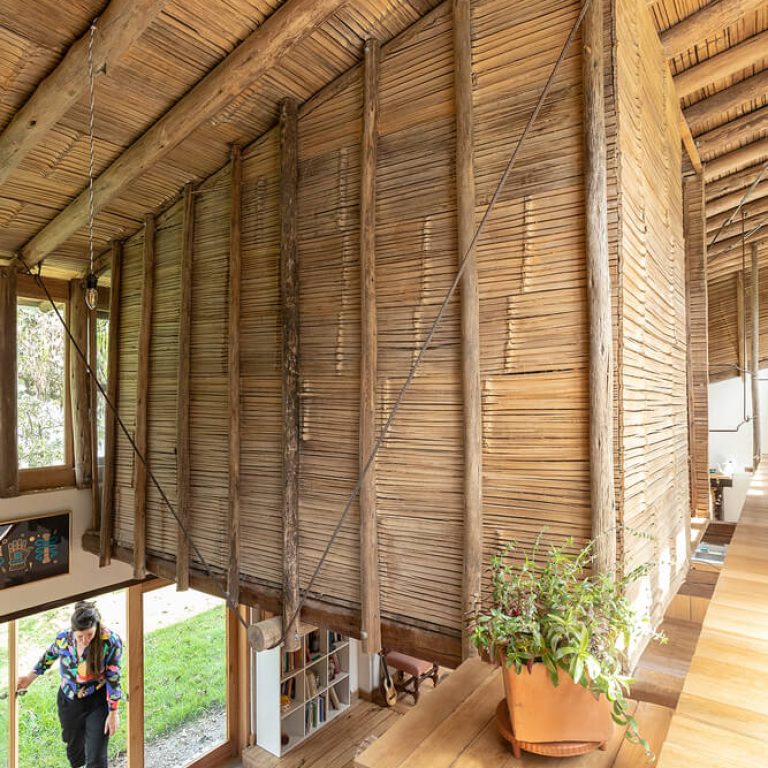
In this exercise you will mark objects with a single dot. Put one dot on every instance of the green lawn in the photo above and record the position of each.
(184, 675)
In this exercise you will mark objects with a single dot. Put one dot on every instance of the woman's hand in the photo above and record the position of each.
(25, 681)
(112, 722)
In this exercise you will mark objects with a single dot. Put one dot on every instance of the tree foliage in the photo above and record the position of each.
(40, 387)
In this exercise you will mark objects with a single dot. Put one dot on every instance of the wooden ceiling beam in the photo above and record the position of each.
(732, 245)
(253, 58)
(756, 211)
(738, 95)
(122, 23)
(722, 65)
(729, 260)
(729, 184)
(750, 126)
(728, 203)
(702, 24)
(737, 160)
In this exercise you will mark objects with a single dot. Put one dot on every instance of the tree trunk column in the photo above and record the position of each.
(599, 296)
(9, 459)
(756, 447)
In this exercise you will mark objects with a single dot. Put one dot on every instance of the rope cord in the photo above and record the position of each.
(150, 474)
(423, 349)
(409, 378)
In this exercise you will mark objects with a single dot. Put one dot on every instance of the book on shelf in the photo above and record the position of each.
(312, 683)
(288, 690)
(333, 698)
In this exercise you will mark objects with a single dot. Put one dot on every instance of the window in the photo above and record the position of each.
(44, 439)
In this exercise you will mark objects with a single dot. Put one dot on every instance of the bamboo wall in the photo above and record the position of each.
(533, 321)
(725, 336)
(653, 392)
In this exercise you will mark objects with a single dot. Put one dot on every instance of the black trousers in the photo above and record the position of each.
(82, 729)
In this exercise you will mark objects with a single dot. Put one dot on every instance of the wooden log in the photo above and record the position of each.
(733, 243)
(110, 426)
(700, 25)
(750, 126)
(369, 535)
(756, 439)
(183, 465)
(79, 386)
(265, 634)
(755, 152)
(470, 321)
(142, 402)
(730, 62)
(599, 296)
(732, 183)
(728, 259)
(726, 205)
(738, 95)
(418, 639)
(9, 460)
(233, 357)
(93, 421)
(756, 211)
(740, 323)
(121, 24)
(697, 323)
(289, 301)
(136, 677)
(258, 54)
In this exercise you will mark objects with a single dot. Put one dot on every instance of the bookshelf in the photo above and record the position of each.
(299, 693)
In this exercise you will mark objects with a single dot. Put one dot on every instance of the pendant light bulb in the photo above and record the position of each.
(91, 291)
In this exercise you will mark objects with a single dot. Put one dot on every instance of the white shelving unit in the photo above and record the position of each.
(299, 693)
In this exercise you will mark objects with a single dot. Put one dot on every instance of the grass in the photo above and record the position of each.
(184, 675)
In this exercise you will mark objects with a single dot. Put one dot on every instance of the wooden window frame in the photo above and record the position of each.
(236, 697)
(58, 475)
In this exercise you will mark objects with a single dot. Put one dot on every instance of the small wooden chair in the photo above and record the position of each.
(416, 669)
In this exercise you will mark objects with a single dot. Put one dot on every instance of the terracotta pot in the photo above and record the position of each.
(542, 713)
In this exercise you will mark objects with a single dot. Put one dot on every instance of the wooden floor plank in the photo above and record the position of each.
(722, 715)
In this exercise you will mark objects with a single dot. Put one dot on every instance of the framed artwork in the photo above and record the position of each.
(33, 549)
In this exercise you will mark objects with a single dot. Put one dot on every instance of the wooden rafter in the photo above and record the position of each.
(756, 152)
(729, 62)
(121, 24)
(702, 24)
(252, 59)
(748, 127)
(728, 203)
(736, 96)
(752, 207)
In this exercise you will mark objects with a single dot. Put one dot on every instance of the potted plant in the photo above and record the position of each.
(562, 636)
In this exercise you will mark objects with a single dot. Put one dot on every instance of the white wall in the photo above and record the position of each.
(84, 572)
(726, 410)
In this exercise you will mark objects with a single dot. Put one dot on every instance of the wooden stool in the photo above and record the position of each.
(417, 669)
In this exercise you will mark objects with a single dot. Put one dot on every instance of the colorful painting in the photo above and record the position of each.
(34, 549)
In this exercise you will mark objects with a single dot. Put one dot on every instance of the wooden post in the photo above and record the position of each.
(110, 427)
(12, 723)
(756, 449)
(79, 386)
(142, 405)
(370, 617)
(243, 666)
(183, 471)
(235, 268)
(135, 622)
(740, 324)
(9, 459)
(697, 354)
(470, 320)
(599, 297)
(289, 294)
(93, 421)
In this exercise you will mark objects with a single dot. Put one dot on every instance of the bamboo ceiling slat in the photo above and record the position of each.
(188, 38)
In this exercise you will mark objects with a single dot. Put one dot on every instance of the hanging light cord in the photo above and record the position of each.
(91, 111)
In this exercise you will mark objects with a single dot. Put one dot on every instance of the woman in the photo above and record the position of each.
(89, 694)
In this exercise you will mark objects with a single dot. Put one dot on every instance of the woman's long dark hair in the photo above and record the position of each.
(86, 616)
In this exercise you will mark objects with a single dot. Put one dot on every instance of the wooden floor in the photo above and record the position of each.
(722, 716)
(455, 728)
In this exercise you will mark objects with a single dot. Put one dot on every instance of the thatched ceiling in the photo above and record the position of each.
(176, 43)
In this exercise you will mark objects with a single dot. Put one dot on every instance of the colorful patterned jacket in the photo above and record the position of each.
(76, 682)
